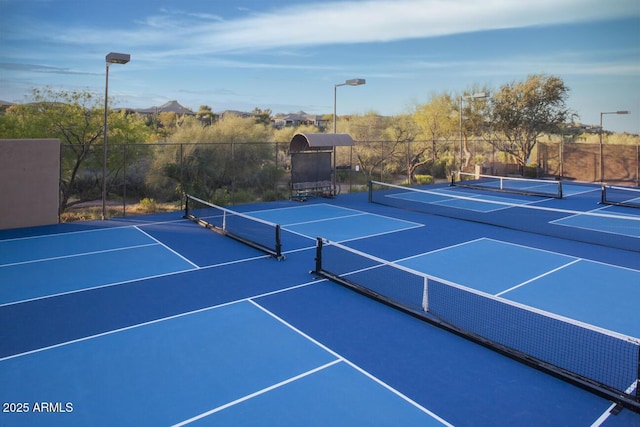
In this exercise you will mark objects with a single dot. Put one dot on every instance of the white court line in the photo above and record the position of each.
(353, 365)
(325, 219)
(250, 300)
(113, 331)
(126, 328)
(311, 206)
(139, 279)
(518, 245)
(107, 285)
(411, 225)
(257, 393)
(452, 196)
(468, 242)
(570, 193)
(356, 212)
(608, 412)
(561, 222)
(297, 233)
(557, 253)
(381, 234)
(481, 293)
(538, 277)
(95, 230)
(44, 236)
(166, 247)
(78, 255)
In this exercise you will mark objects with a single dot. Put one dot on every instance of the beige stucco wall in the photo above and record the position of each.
(29, 182)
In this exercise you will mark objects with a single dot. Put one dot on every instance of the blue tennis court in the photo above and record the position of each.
(154, 320)
(612, 220)
(580, 289)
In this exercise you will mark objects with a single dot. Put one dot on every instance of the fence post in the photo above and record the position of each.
(182, 197)
(124, 178)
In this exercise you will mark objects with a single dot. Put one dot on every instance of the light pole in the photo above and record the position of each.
(601, 146)
(350, 82)
(479, 95)
(112, 58)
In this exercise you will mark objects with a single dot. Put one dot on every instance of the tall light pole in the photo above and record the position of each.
(601, 146)
(112, 58)
(479, 95)
(350, 82)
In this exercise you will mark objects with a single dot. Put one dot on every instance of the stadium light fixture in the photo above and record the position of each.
(111, 58)
(478, 95)
(355, 82)
(118, 58)
(601, 145)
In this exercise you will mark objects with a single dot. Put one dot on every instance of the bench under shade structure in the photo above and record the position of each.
(313, 163)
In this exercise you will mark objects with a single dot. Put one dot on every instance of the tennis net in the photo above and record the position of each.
(514, 185)
(548, 217)
(262, 235)
(602, 361)
(621, 196)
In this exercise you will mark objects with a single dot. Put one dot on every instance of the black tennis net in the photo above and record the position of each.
(601, 361)
(548, 217)
(507, 184)
(262, 235)
(620, 196)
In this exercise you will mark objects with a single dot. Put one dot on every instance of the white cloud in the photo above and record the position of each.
(386, 20)
(180, 33)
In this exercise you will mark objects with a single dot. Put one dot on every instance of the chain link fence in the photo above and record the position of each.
(145, 178)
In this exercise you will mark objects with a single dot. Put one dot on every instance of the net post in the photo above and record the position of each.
(638, 379)
(186, 206)
(370, 184)
(318, 258)
(453, 179)
(560, 192)
(278, 243)
(603, 195)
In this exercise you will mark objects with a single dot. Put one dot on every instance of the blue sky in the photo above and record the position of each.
(287, 55)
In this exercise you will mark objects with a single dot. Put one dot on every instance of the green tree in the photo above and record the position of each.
(472, 112)
(74, 117)
(402, 132)
(375, 155)
(262, 116)
(522, 111)
(437, 121)
(129, 155)
(205, 115)
(215, 162)
(286, 134)
(167, 123)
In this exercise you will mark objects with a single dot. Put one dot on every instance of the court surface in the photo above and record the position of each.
(154, 320)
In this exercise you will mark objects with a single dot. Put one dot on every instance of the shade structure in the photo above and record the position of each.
(311, 158)
(319, 142)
